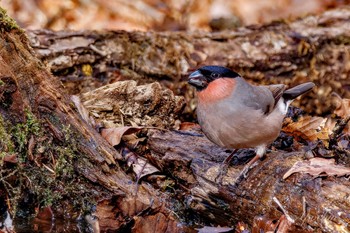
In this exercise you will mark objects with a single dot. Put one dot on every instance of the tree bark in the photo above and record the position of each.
(311, 48)
(55, 149)
(312, 204)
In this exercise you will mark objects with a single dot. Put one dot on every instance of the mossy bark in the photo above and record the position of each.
(61, 161)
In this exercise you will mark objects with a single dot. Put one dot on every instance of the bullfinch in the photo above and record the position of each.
(235, 114)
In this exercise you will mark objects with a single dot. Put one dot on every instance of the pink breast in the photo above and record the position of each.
(217, 90)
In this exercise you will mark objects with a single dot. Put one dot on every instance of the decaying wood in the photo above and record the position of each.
(34, 102)
(312, 48)
(194, 163)
(310, 204)
(125, 103)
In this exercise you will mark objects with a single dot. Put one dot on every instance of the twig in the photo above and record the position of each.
(304, 207)
(49, 169)
(289, 218)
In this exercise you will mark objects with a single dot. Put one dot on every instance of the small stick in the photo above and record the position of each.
(289, 218)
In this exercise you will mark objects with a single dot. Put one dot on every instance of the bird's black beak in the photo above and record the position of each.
(197, 80)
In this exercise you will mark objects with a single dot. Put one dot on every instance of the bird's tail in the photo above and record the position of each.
(294, 92)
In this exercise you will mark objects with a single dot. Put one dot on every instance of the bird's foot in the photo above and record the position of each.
(244, 173)
(224, 167)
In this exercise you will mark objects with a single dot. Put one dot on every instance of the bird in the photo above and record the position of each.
(235, 114)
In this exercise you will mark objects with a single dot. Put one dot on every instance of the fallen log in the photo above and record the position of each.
(313, 204)
(311, 48)
(193, 162)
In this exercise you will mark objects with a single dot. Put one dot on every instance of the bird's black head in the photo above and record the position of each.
(201, 78)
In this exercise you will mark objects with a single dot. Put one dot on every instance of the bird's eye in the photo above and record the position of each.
(214, 75)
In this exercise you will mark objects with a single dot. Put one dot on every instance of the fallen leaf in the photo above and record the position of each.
(207, 229)
(307, 127)
(140, 166)
(318, 167)
(133, 142)
(342, 106)
(342, 109)
(114, 135)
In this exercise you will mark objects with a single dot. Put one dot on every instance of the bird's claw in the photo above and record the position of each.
(245, 171)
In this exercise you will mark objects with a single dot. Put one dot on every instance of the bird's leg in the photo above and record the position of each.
(229, 158)
(224, 166)
(260, 152)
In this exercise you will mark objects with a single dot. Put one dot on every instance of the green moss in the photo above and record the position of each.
(66, 154)
(50, 174)
(2, 83)
(64, 165)
(6, 22)
(44, 186)
(21, 132)
(6, 144)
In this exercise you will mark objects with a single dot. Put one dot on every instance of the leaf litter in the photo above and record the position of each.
(330, 134)
(318, 167)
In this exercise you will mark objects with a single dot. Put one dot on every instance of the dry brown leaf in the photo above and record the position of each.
(342, 106)
(140, 165)
(31, 145)
(207, 229)
(318, 167)
(132, 142)
(114, 135)
(307, 127)
(142, 168)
